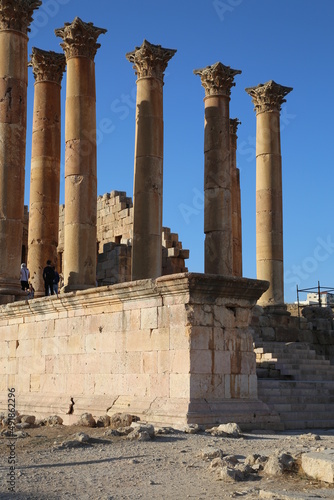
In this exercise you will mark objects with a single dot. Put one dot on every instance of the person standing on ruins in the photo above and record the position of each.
(24, 277)
(48, 277)
(55, 281)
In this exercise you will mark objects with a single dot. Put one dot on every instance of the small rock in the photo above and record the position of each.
(193, 429)
(103, 421)
(226, 430)
(52, 420)
(87, 420)
(141, 427)
(28, 419)
(211, 453)
(122, 420)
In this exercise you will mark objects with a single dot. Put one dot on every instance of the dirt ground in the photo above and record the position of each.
(170, 466)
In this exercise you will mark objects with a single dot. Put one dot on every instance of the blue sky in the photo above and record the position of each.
(291, 42)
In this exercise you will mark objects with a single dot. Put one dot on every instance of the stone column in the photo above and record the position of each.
(217, 81)
(15, 18)
(80, 47)
(267, 99)
(149, 62)
(236, 200)
(48, 69)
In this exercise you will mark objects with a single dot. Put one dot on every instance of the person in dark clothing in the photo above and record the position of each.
(55, 281)
(48, 277)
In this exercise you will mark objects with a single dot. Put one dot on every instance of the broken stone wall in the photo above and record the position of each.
(114, 240)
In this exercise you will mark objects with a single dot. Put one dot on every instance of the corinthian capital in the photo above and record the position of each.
(47, 66)
(217, 79)
(234, 122)
(17, 14)
(150, 60)
(79, 39)
(268, 96)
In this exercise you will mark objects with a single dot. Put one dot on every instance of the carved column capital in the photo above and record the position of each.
(47, 66)
(234, 122)
(268, 96)
(79, 39)
(150, 60)
(17, 14)
(217, 79)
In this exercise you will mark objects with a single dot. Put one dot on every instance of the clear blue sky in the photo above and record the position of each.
(291, 42)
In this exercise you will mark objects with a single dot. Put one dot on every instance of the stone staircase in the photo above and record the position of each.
(297, 383)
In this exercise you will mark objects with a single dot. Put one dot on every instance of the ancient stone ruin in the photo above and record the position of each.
(152, 339)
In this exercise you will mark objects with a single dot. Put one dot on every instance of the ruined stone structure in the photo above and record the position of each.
(15, 18)
(114, 241)
(149, 62)
(48, 69)
(80, 47)
(172, 349)
(267, 99)
(217, 81)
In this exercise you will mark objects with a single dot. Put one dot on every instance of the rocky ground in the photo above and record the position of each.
(137, 461)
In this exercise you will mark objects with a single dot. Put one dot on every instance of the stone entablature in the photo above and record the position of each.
(173, 350)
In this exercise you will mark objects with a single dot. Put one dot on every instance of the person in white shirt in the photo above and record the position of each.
(24, 277)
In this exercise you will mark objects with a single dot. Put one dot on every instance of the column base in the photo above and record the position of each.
(11, 292)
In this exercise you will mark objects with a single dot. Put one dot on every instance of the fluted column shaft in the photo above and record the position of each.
(268, 99)
(80, 155)
(236, 201)
(149, 62)
(48, 68)
(217, 81)
(15, 18)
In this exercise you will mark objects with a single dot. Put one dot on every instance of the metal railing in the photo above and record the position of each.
(316, 289)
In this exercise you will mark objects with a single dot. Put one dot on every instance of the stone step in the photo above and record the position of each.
(308, 375)
(308, 424)
(293, 355)
(300, 404)
(295, 407)
(287, 398)
(268, 384)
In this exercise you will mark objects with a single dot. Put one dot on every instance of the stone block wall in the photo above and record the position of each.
(173, 350)
(114, 240)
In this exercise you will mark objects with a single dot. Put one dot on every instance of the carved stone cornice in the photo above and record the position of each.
(217, 79)
(79, 39)
(17, 14)
(234, 122)
(47, 66)
(150, 60)
(268, 96)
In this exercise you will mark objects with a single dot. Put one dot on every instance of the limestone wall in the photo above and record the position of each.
(173, 350)
(114, 240)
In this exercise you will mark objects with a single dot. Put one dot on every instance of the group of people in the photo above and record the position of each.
(50, 276)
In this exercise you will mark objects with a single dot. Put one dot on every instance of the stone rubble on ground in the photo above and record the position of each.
(315, 462)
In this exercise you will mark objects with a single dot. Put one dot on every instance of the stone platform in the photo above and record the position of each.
(173, 350)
